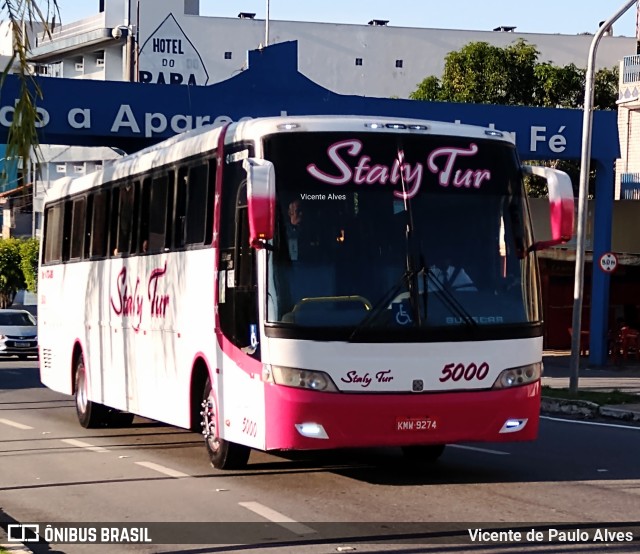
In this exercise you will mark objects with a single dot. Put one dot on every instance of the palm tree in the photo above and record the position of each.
(24, 17)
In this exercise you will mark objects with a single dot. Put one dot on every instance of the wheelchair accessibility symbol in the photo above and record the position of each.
(253, 335)
(401, 314)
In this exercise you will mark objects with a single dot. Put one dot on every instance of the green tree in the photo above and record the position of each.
(558, 87)
(25, 18)
(29, 249)
(429, 89)
(11, 276)
(484, 74)
(605, 89)
(512, 75)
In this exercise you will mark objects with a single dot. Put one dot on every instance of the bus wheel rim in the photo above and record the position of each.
(82, 395)
(209, 429)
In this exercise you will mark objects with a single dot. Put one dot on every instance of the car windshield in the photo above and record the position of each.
(398, 231)
(16, 319)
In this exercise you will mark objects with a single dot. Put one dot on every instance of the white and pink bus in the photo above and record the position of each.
(278, 284)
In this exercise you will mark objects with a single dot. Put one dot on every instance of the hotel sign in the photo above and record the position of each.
(170, 58)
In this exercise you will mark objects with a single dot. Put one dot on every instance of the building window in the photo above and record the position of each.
(358, 61)
(60, 168)
(227, 55)
(399, 63)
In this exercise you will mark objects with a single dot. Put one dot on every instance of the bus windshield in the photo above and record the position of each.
(399, 231)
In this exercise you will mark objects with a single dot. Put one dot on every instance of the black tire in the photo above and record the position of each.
(90, 414)
(222, 454)
(423, 452)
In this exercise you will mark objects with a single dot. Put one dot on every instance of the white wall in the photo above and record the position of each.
(327, 51)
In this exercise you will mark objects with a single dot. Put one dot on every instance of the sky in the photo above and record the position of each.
(539, 16)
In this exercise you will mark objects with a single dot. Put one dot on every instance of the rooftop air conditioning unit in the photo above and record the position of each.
(79, 66)
(100, 62)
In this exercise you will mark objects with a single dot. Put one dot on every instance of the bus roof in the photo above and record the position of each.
(204, 139)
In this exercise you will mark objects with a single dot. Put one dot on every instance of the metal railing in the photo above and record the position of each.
(630, 186)
(85, 25)
(631, 69)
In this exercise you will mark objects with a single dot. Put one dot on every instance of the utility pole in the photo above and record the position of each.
(266, 27)
(587, 124)
(128, 44)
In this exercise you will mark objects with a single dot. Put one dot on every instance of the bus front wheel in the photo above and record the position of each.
(423, 452)
(223, 454)
(90, 414)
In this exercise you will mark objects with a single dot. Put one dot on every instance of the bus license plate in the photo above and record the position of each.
(416, 424)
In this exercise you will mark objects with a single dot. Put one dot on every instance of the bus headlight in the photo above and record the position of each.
(517, 376)
(302, 378)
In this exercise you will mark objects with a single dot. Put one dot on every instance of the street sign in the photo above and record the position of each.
(608, 262)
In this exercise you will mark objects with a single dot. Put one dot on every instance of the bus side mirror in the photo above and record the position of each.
(261, 200)
(561, 205)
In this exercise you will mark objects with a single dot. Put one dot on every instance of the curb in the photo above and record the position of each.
(16, 548)
(585, 409)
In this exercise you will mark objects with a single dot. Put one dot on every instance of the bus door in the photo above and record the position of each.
(240, 393)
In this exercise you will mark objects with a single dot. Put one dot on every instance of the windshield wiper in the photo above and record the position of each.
(411, 272)
(384, 302)
(450, 300)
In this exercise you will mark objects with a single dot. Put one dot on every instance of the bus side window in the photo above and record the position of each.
(157, 214)
(78, 222)
(211, 187)
(113, 222)
(171, 198)
(143, 217)
(53, 234)
(125, 218)
(197, 204)
(180, 207)
(99, 225)
(66, 229)
(135, 217)
(87, 227)
(244, 254)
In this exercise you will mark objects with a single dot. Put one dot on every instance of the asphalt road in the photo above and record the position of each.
(577, 475)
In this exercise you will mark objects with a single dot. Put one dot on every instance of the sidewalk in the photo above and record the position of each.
(623, 376)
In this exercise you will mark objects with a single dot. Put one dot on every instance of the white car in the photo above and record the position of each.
(18, 334)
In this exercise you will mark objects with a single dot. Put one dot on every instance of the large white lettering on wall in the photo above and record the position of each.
(169, 57)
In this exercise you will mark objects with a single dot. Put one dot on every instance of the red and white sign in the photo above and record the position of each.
(608, 262)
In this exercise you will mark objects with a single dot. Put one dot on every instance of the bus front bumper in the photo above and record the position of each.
(308, 420)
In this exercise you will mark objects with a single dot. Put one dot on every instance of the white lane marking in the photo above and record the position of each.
(162, 469)
(14, 424)
(485, 450)
(85, 445)
(276, 517)
(597, 424)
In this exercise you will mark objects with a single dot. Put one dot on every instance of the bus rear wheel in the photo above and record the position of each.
(423, 452)
(223, 454)
(90, 414)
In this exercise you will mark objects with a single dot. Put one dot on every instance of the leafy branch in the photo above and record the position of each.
(26, 18)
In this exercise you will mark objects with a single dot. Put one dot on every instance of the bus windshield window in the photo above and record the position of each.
(393, 231)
